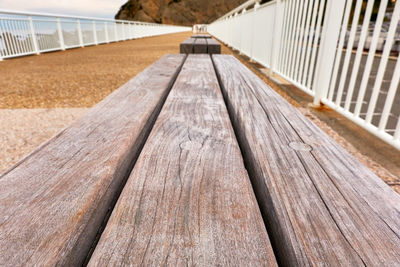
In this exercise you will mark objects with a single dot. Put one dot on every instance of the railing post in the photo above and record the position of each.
(134, 30)
(116, 32)
(33, 34)
(256, 6)
(326, 55)
(130, 31)
(123, 31)
(106, 32)
(94, 32)
(235, 32)
(240, 48)
(60, 34)
(80, 33)
(276, 43)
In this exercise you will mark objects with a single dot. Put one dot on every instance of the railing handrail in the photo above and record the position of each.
(26, 33)
(244, 6)
(239, 8)
(37, 14)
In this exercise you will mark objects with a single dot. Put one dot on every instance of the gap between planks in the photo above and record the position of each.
(189, 199)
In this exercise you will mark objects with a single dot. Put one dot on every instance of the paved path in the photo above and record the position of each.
(79, 77)
(22, 130)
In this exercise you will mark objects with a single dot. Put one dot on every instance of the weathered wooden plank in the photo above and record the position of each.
(54, 201)
(322, 207)
(187, 46)
(213, 46)
(200, 46)
(188, 200)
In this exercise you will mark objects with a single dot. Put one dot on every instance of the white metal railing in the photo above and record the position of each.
(342, 52)
(24, 33)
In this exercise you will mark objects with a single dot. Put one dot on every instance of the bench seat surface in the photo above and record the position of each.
(188, 200)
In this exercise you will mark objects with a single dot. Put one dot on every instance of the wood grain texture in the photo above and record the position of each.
(200, 46)
(188, 200)
(54, 201)
(321, 206)
(213, 46)
(187, 46)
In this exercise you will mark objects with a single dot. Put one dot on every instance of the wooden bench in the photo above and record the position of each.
(54, 201)
(188, 200)
(166, 141)
(187, 46)
(213, 46)
(200, 45)
(322, 207)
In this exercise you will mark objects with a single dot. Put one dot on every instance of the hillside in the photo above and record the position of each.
(180, 12)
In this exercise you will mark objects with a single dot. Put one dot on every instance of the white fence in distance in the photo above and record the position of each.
(34, 33)
(344, 53)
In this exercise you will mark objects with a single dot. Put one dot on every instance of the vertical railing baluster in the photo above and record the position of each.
(13, 47)
(123, 31)
(253, 31)
(383, 63)
(370, 59)
(316, 45)
(60, 34)
(7, 39)
(391, 95)
(106, 32)
(2, 35)
(94, 33)
(326, 56)
(80, 37)
(276, 45)
(359, 55)
(116, 32)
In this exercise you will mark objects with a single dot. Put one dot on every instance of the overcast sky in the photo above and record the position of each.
(91, 8)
